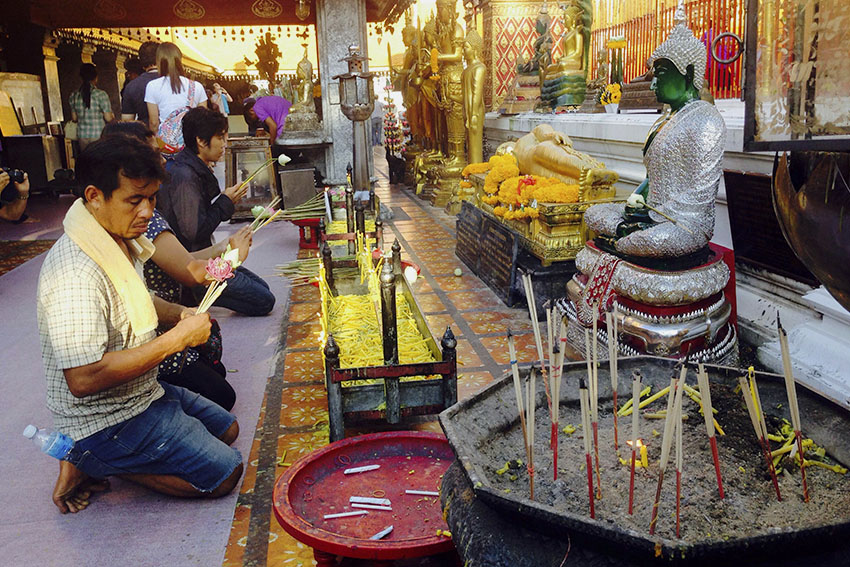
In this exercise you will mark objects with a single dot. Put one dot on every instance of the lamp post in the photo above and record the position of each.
(357, 100)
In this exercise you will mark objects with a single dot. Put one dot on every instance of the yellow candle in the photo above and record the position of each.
(643, 459)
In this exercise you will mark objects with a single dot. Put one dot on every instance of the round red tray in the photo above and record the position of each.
(315, 486)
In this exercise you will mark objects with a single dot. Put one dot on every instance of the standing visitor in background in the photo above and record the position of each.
(377, 122)
(132, 69)
(170, 96)
(221, 98)
(90, 107)
(133, 106)
(270, 111)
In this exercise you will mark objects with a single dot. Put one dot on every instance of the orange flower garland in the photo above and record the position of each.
(517, 193)
(501, 167)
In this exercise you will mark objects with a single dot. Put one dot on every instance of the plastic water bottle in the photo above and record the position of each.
(53, 443)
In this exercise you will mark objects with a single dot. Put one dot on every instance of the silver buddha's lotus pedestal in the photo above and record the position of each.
(664, 313)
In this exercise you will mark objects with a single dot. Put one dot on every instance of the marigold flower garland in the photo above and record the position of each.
(518, 196)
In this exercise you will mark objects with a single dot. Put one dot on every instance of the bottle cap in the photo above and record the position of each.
(30, 431)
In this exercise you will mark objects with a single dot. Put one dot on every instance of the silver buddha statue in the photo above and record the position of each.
(671, 213)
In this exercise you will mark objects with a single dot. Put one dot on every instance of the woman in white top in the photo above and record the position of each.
(170, 96)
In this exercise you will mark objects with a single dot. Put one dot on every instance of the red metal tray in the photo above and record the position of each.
(315, 486)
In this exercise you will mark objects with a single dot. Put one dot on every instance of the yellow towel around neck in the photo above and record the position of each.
(86, 232)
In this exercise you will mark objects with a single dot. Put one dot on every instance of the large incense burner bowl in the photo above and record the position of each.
(749, 522)
(811, 199)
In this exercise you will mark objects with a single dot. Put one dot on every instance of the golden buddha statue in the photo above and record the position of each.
(409, 83)
(474, 77)
(429, 108)
(302, 115)
(450, 38)
(564, 81)
(549, 153)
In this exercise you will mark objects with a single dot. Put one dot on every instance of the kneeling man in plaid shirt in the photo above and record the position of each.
(97, 326)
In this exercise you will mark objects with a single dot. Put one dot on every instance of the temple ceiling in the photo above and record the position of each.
(164, 13)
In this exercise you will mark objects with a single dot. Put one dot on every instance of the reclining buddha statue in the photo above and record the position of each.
(671, 213)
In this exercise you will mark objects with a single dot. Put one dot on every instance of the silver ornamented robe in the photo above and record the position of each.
(683, 165)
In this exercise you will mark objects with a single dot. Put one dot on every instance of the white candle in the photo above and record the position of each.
(346, 514)
(365, 468)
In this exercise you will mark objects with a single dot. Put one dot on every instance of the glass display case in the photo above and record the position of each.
(797, 82)
(242, 157)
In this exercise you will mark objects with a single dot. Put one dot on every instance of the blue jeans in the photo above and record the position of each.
(178, 435)
(246, 293)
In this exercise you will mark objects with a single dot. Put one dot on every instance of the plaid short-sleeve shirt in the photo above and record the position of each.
(90, 121)
(81, 317)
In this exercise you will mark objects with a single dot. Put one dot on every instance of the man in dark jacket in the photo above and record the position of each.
(194, 206)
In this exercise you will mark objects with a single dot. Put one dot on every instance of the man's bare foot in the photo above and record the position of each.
(74, 487)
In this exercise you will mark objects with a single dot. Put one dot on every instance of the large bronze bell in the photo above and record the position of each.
(811, 197)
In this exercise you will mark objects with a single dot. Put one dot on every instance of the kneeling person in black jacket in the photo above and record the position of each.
(186, 202)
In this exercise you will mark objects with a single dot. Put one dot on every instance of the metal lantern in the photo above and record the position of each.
(357, 101)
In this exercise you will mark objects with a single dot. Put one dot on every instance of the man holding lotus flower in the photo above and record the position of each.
(97, 327)
(194, 206)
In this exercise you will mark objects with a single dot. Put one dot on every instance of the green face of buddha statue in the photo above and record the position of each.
(672, 87)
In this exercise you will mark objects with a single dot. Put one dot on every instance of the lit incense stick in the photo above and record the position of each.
(666, 441)
(707, 411)
(585, 425)
(679, 426)
(636, 378)
(594, 397)
(518, 392)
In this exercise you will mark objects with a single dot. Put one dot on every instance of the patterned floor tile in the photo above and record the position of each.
(438, 324)
(306, 366)
(430, 303)
(445, 267)
(285, 550)
(466, 356)
(459, 283)
(303, 406)
(304, 312)
(235, 550)
(498, 348)
(479, 299)
(304, 293)
(303, 335)
(469, 383)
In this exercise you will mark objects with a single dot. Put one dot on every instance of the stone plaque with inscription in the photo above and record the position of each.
(468, 232)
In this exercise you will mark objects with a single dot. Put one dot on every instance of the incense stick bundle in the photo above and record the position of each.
(679, 457)
(707, 411)
(552, 406)
(636, 378)
(666, 441)
(611, 329)
(594, 397)
(531, 396)
(585, 424)
(532, 311)
(750, 401)
(793, 406)
(518, 391)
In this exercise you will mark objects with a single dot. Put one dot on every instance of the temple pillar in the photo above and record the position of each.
(107, 79)
(339, 23)
(69, 73)
(51, 79)
(120, 60)
(87, 52)
(508, 32)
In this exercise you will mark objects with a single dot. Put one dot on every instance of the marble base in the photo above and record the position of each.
(303, 123)
(820, 349)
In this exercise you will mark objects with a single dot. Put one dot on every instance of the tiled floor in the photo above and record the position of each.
(477, 317)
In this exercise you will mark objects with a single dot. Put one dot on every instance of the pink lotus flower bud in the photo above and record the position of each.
(219, 269)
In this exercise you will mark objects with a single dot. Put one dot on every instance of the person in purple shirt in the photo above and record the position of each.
(271, 111)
